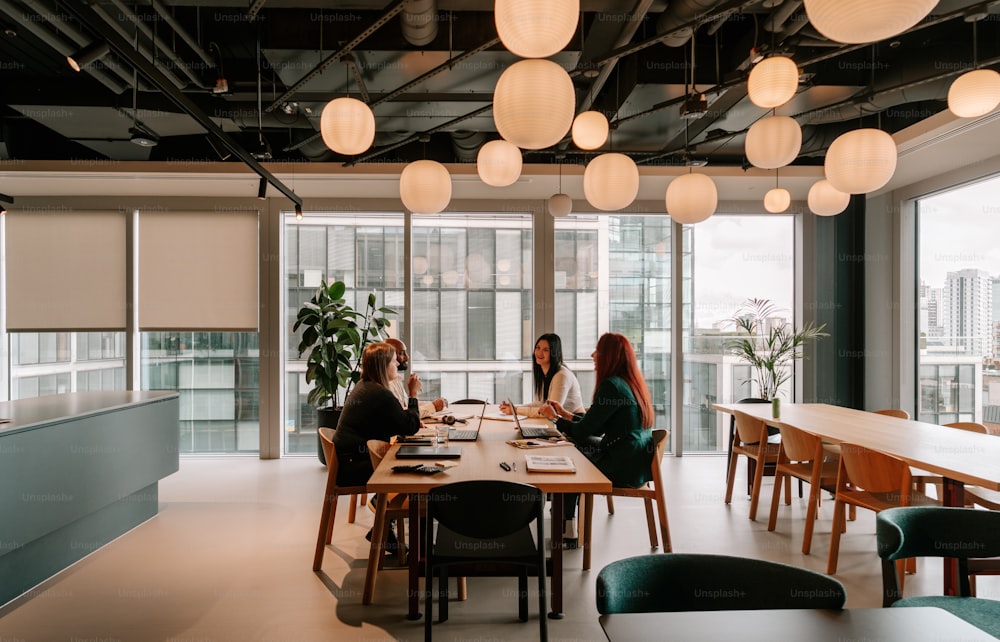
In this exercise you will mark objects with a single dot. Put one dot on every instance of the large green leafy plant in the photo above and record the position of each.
(334, 335)
(768, 344)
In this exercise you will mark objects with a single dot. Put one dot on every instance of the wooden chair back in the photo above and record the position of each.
(873, 471)
(893, 412)
(970, 426)
(800, 446)
(749, 429)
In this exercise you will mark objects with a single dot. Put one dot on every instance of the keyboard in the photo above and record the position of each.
(463, 434)
(539, 432)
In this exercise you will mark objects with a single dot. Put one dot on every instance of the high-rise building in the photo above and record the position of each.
(968, 311)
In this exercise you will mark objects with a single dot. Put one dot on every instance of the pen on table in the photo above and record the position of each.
(515, 466)
(505, 466)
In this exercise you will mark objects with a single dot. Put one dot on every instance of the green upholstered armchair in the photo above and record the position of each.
(703, 582)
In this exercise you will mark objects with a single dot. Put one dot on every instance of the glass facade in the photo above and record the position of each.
(49, 363)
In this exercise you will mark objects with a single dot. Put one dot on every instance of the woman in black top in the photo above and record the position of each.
(371, 411)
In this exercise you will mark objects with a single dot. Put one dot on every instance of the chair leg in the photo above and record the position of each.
(650, 522)
(442, 595)
(522, 595)
(838, 526)
(661, 508)
(585, 530)
(462, 588)
(758, 481)
(328, 537)
(543, 631)
(400, 538)
(772, 519)
(788, 490)
(352, 512)
(811, 512)
(325, 534)
(583, 511)
(611, 504)
(732, 477)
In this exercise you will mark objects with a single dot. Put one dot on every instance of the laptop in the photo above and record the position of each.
(467, 434)
(535, 432)
(428, 452)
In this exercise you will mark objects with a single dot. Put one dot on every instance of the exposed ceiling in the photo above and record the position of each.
(282, 60)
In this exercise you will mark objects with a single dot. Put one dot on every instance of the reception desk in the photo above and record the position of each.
(76, 471)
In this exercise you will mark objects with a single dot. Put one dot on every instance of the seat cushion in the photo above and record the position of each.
(978, 612)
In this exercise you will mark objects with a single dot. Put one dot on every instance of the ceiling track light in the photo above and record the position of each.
(298, 212)
(89, 54)
(262, 188)
(5, 199)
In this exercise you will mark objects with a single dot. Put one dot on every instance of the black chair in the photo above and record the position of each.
(672, 582)
(468, 401)
(938, 531)
(483, 528)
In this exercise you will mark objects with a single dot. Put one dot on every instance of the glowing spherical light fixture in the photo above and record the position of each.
(974, 93)
(499, 163)
(347, 126)
(860, 161)
(560, 205)
(691, 198)
(533, 104)
(826, 200)
(534, 28)
(611, 182)
(773, 142)
(777, 200)
(859, 21)
(425, 187)
(773, 81)
(590, 130)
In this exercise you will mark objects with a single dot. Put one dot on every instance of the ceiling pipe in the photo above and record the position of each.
(419, 22)
(36, 29)
(183, 34)
(158, 43)
(673, 22)
(776, 21)
(466, 144)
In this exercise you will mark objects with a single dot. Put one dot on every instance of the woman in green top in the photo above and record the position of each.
(614, 433)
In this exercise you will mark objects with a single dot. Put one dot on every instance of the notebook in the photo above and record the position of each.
(428, 452)
(535, 431)
(549, 464)
(467, 434)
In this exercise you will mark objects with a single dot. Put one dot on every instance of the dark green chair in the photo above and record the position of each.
(937, 531)
(701, 582)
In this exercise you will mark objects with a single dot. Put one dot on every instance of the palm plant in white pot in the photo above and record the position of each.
(769, 344)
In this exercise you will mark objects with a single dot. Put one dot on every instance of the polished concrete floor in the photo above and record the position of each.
(229, 558)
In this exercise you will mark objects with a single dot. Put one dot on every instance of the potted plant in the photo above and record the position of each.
(334, 335)
(769, 344)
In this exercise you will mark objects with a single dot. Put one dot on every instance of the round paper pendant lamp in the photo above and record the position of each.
(773, 82)
(974, 93)
(773, 142)
(347, 126)
(691, 198)
(826, 200)
(499, 163)
(533, 104)
(560, 205)
(860, 161)
(425, 187)
(777, 200)
(858, 21)
(590, 130)
(611, 182)
(536, 28)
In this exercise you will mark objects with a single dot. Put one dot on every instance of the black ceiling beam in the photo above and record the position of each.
(86, 14)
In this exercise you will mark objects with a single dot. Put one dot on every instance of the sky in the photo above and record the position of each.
(742, 257)
(960, 229)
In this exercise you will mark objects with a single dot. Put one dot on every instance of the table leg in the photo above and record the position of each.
(375, 551)
(952, 494)
(555, 584)
(413, 561)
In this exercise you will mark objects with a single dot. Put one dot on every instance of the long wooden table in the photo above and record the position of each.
(959, 456)
(900, 625)
(480, 461)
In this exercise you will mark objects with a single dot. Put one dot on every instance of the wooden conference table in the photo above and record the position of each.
(480, 460)
(959, 456)
(923, 623)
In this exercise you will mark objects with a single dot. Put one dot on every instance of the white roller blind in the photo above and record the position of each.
(198, 270)
(65, 270)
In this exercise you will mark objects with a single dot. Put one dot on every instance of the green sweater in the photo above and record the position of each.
(625, 451)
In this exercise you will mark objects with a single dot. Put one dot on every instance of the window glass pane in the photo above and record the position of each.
(49, 363)
(216, 376)
(958, 316)
(732, 259)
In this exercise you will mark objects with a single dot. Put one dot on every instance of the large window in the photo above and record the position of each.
(734, 258)
(49, 363)
(959, 304)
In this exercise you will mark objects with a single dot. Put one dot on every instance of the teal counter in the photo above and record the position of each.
(76, 471)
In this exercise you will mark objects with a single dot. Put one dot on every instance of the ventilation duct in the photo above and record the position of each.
(679, 13)
(466, 145)
(419, 22)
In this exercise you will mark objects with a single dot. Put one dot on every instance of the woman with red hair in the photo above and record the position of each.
(614, 433)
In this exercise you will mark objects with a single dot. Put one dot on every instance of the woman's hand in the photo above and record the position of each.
(552, 410)
(414, 385)
(506, 408)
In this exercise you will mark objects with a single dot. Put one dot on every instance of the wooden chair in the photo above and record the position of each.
(732, 440)
(802, 456)
(652, 491)
(921, 479)
(329, 514)
(751, 442)
(873, 480)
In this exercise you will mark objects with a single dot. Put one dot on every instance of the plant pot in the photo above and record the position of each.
(328, 418)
